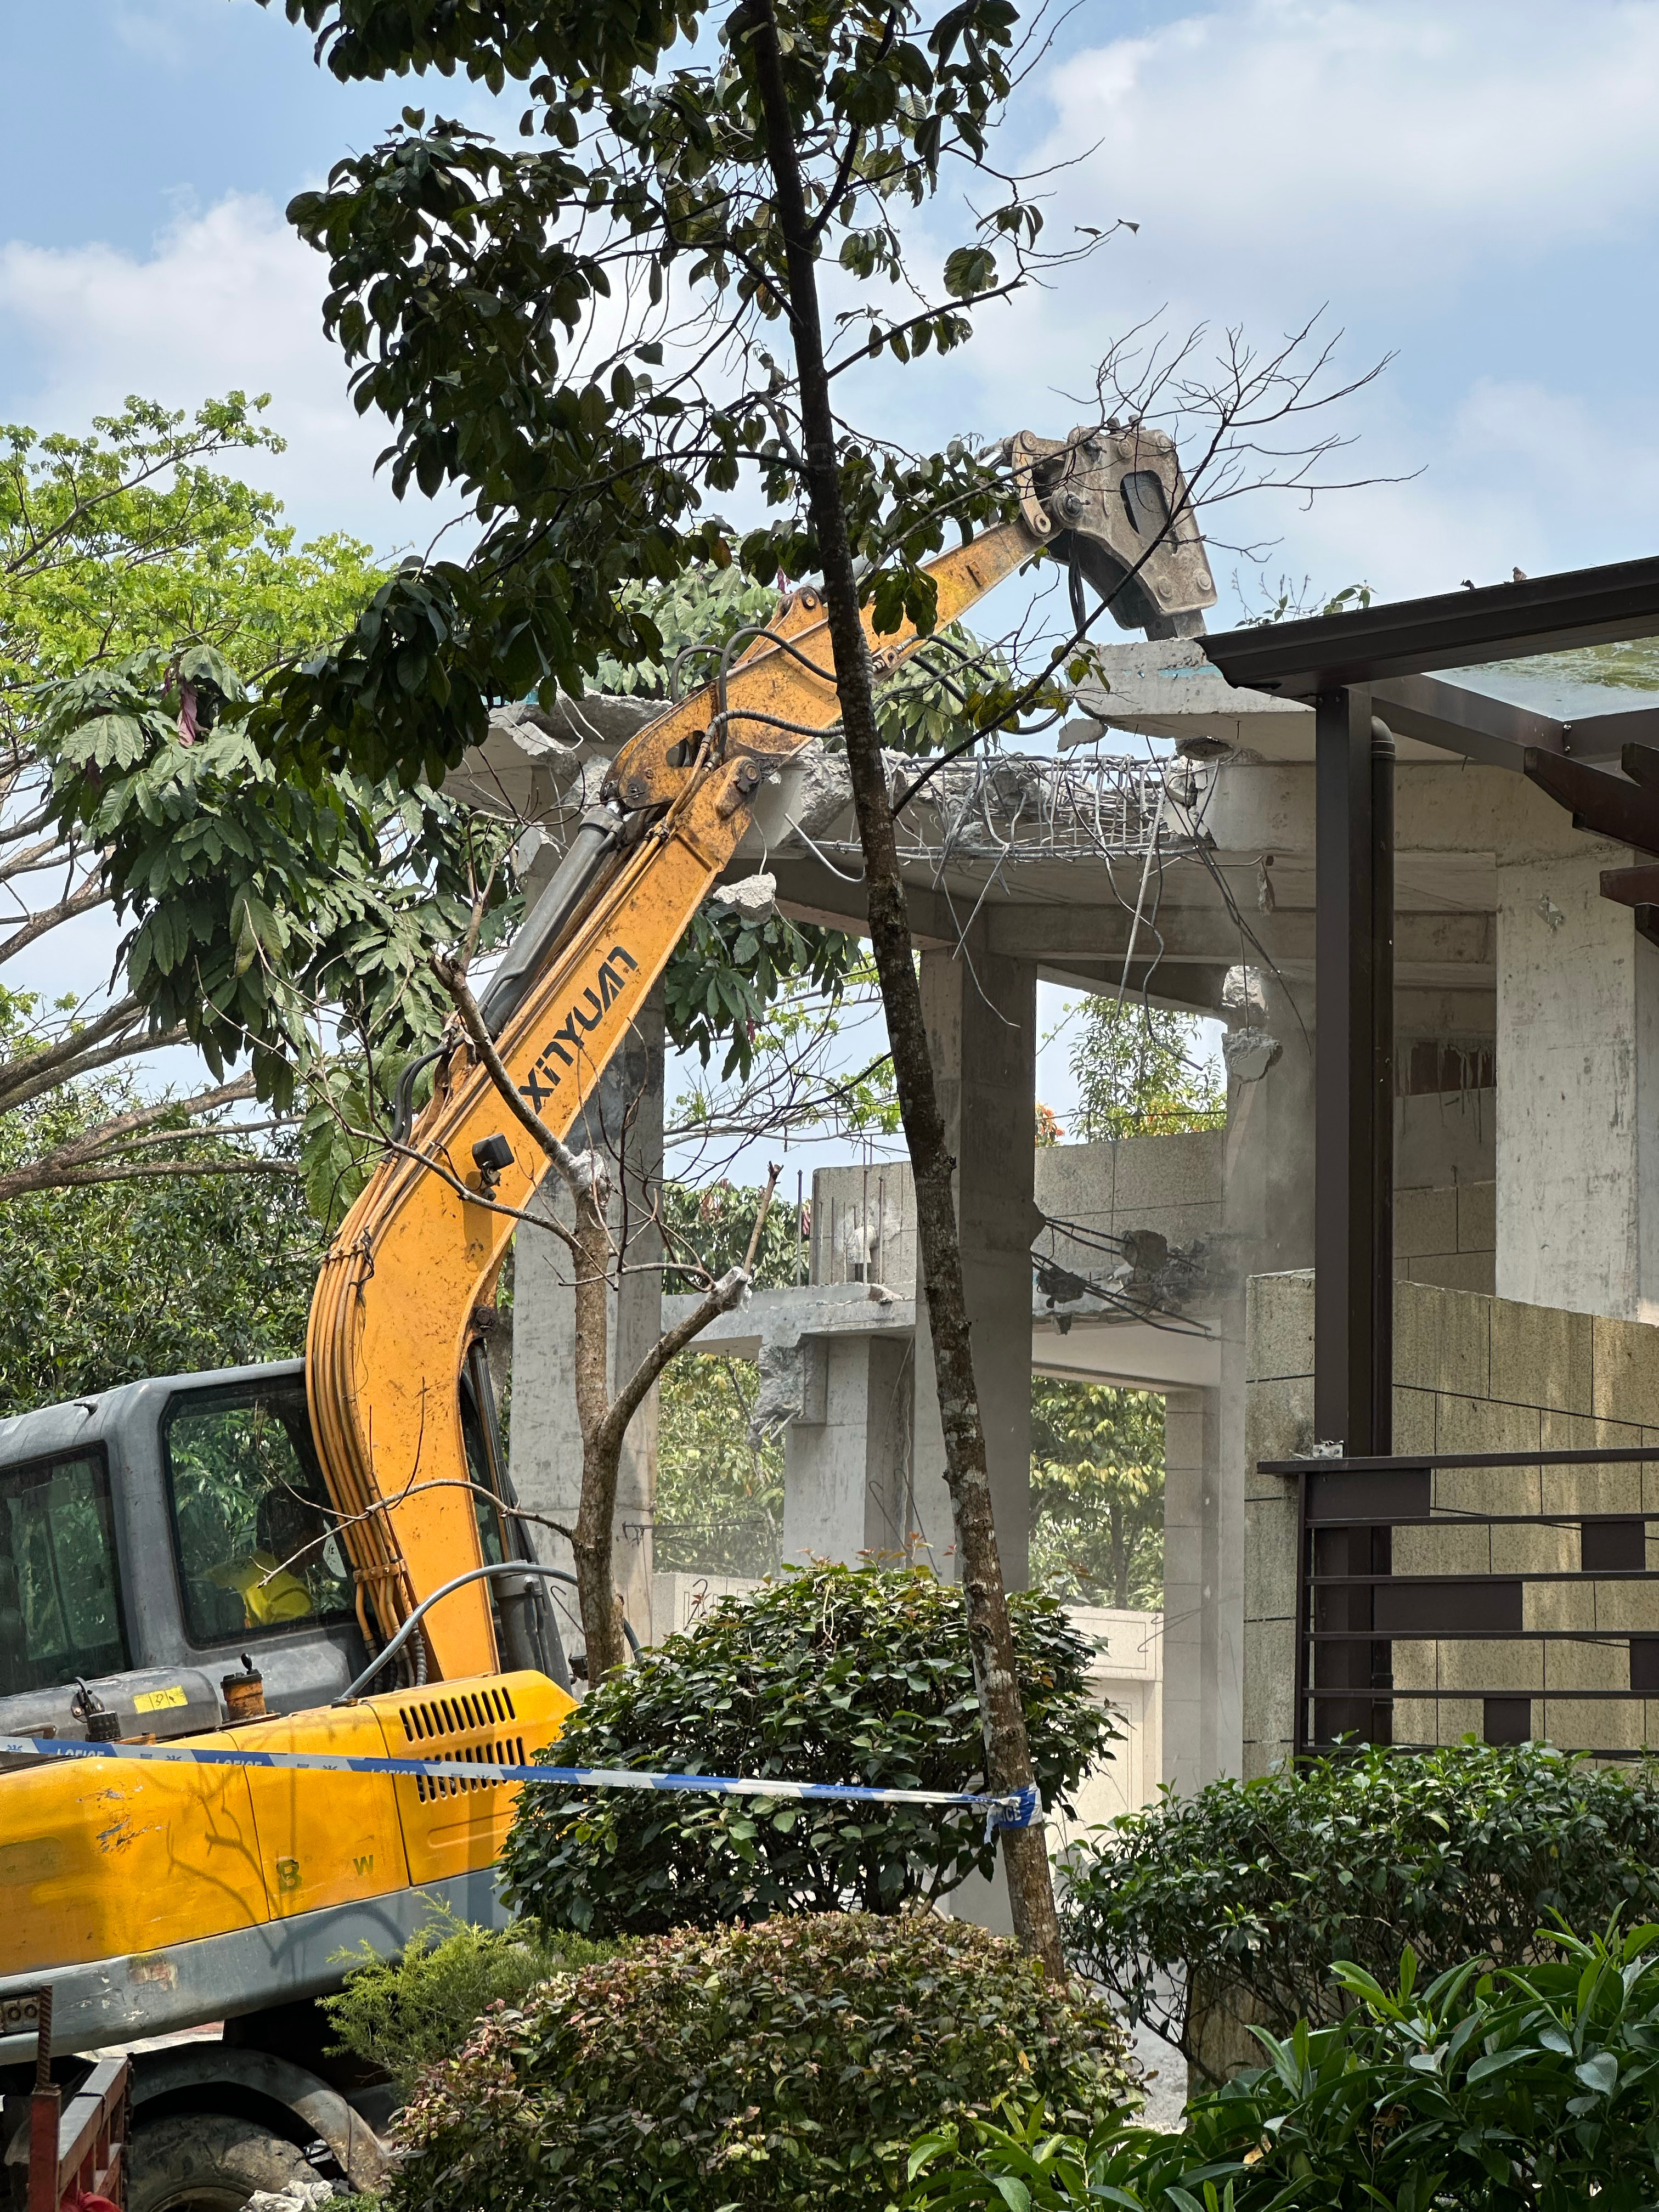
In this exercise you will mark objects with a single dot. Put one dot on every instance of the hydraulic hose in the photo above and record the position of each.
(350, 1695)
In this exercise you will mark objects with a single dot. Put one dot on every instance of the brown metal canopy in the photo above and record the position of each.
(1455, 629)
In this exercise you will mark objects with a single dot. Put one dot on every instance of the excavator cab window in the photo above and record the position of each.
(60, 1613)
(256, 1544)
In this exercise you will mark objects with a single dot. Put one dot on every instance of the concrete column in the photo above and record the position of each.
(623, 1120)
(1203, 1597)
(846, 1453)
(1578, 1091)
(981, 1028)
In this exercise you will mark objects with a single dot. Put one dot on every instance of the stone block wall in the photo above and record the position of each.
(1472, 1374)
(864, 1218)
(1447, 1236)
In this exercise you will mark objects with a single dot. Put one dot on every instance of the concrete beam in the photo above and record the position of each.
(809, 892)
(1134, 1355)
(1430, 948)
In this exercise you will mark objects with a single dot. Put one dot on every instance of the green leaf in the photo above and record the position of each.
(1599, 2073)
(969, 270)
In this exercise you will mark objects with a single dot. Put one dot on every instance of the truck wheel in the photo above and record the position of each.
(208, 2162)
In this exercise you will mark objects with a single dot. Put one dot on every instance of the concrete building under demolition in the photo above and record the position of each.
(1403, 1310)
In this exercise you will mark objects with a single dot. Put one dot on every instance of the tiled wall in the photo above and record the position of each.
(1472, 1374)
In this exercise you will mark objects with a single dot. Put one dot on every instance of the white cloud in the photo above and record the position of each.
(1336, 143)
(227, 299)
(1471, 185)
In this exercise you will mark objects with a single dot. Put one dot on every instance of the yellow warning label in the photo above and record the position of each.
(153, 1701)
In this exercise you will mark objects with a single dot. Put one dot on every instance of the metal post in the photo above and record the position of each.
(1381, 1192)
(1344, 1299)
(46, 2111)
(1353, 1299)
(1304, 1727)
(1381, 1545)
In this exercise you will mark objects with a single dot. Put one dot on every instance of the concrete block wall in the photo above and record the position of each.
(863, 1226)
(1472, 1374)
(1448, 1236)
(1172, 1184)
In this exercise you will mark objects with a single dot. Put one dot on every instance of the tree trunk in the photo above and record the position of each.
(1007, 1754)
(601, 1438)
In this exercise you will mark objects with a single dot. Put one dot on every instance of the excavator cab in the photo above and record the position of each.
(151, 1536)
(166, 1547)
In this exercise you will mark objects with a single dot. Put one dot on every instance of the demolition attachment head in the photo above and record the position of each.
(1113, 505)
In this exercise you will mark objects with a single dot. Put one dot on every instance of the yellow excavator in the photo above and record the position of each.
(233, 1558)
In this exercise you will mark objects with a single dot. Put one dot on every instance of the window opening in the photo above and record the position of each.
(256, 1539)
(60, 1612)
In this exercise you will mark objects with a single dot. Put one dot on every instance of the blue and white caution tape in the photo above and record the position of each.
(1016, 1808)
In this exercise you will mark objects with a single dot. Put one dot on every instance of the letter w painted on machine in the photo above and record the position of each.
(566, 1041)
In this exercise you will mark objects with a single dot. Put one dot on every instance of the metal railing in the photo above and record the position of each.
(1505, 1594)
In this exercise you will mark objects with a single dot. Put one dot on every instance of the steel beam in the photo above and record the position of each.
(1455, 629)
(1491, 731)
(1638, 888)
(1605, 804)
(1497, 732)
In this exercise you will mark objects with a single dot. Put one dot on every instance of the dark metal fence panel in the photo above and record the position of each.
(1506, 1594)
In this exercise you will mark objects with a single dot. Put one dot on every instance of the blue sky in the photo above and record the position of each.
(1467, 184)
(1472, 185)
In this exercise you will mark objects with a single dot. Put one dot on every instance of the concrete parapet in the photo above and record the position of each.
(1626, 1369)
(1441, 1341)
(1278, 1325)
(1542, 1356)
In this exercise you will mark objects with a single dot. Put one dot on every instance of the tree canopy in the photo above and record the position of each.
(119, 550)
(535, 324)
(1097, 1493)
(1138, 1075)
(109, 1281)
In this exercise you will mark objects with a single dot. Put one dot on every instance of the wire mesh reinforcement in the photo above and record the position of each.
(1022, 807)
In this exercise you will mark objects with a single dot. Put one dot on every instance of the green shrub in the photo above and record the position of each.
(1529, 2090)
(400, 2015)
(837, 1675)
(785, 2068)
(1247, 1893)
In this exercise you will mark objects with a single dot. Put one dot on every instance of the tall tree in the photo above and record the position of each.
(131, 540)
(591, 335)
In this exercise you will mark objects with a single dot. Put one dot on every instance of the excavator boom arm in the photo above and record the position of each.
(393, 1311)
